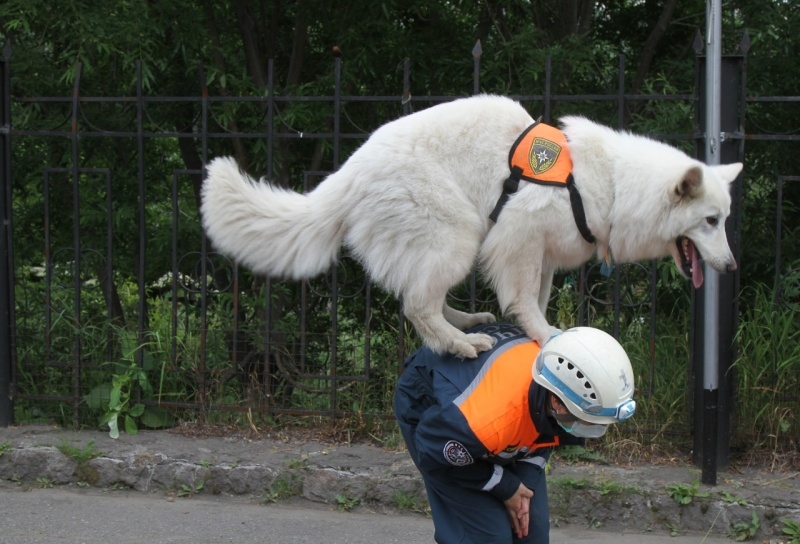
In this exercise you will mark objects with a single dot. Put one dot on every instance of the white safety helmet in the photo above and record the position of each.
(590, 373)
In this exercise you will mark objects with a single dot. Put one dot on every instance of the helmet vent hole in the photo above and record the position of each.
(580, 375)
(593, 396)
(569, 365)
(587, 385)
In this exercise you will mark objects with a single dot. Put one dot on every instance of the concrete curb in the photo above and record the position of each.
(631, 499)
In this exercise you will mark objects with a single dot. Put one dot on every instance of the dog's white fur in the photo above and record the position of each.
(412, 204)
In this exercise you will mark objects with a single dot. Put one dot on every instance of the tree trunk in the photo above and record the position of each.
(649, 51)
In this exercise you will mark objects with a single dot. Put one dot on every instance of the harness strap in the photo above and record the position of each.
(543, 158)
(510, 186)
(578, 212)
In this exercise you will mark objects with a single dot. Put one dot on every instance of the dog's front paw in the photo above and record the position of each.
(481, 342)
(553, 333)
(541, 338)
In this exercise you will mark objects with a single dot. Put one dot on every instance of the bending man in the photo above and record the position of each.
(481, 430)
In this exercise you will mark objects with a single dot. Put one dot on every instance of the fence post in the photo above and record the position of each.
(7, 268)
(713, 414)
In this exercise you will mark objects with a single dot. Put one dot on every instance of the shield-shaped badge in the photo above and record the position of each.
(543, 155)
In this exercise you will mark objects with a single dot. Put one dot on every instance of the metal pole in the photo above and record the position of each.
(711, 294)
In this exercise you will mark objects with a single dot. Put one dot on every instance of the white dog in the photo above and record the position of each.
(413, 205)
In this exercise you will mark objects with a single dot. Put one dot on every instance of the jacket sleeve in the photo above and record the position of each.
(448, 451)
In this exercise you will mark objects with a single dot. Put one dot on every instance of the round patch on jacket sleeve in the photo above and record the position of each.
(456, 454)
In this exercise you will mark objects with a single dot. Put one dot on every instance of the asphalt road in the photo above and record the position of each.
(90, 516)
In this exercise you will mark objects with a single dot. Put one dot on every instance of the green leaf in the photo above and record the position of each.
(144, 384)
(98, 397)
(114, 397)
(130, 425)
(156, 417)
(137, 410)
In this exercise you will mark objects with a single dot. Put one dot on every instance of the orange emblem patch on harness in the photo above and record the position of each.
(541, 152)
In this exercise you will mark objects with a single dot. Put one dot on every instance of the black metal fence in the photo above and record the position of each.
(124, 295)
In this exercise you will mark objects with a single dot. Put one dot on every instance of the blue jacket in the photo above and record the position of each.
(470, 418)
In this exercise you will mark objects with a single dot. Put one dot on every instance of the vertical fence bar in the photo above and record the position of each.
(48, 272)
(620, 125)
(406, 100)
(201, 370)
(695, 339)
(7, 351)
(548, 73)
(267, 375)
(651, 352)
(76, 233)
(109, 268)
(476, 67)
(583, 299)
(621, 92)
(778, 223)
(401, 318)
(142, 292)
(303, 332)
(367, 326)
(337, 104)
(173, 313)
(583, 275)
(236, 322)
(476, 89)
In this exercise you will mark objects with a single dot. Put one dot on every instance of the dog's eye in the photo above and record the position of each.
(711, 220)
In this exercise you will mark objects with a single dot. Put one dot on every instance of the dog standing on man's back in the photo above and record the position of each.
(413, 206)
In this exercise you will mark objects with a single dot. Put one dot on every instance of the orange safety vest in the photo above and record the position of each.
(502, 421)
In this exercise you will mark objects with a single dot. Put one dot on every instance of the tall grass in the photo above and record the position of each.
(662, 394)
(768, 371)
(767, 367)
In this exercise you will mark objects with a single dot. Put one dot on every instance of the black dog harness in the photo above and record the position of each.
(541, 155)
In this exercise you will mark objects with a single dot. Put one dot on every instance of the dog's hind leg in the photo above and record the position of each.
(464, 320)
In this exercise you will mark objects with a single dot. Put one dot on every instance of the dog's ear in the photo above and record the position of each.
(690, 185)
(728, 172)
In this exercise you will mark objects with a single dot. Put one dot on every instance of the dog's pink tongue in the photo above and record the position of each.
(697, 270)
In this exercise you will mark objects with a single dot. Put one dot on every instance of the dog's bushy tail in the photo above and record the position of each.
(271, 230)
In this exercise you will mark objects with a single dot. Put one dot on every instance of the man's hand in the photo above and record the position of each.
(519, 509)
